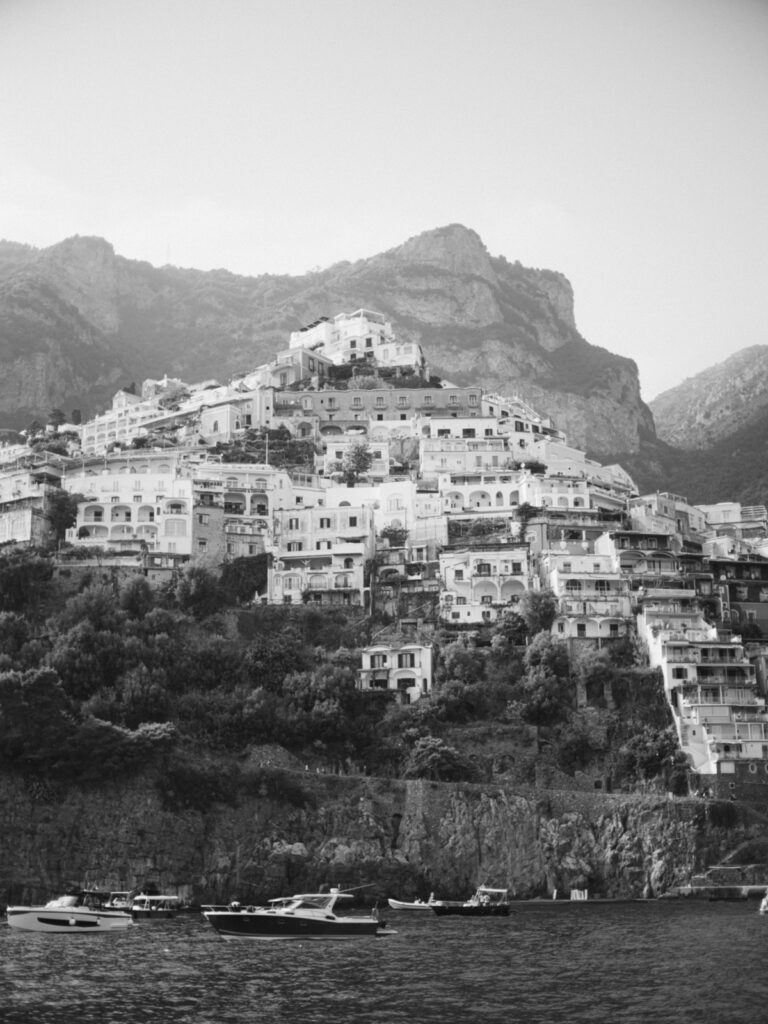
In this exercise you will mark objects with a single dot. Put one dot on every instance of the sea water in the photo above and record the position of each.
(660, 962)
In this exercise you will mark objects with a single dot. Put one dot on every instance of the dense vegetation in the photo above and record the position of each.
(103, 675)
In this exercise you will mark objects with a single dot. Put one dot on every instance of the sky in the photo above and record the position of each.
(623, 143)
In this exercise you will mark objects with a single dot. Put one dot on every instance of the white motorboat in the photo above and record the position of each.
(304, 916)
(413, 905)
(81, 913)
(154, 908)
(763, 908)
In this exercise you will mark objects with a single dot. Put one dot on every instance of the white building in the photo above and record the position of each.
(479, 583)
(404, 669)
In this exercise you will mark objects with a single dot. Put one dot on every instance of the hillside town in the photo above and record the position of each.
(363, 481)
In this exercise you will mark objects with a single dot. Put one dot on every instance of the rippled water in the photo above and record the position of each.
(633, 963)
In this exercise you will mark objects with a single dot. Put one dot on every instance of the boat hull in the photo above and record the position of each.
(268, 927)
(67, 921)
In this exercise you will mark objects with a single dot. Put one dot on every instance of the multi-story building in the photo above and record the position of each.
(25, 489)
(462, 456)
(480, 582)
(321, 555)
(363, 334)
(721, 720)
(594, 601)
(404, 669)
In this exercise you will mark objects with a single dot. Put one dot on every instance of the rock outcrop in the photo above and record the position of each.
(78, 321)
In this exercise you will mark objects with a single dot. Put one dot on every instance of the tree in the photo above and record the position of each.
(55, 418)
(61, 508)
(357, 460)
(23, 575)
(539, 609)
(432, 758)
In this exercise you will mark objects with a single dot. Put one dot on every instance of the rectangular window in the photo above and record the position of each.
(406, 660)
(581, 629)
(458, 574)
(325, 523)
(295, 545)
(137, 498)
(461, 600)
(203, 518)
(353, 520)
(293, 524)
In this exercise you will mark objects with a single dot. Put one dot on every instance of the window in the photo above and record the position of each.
(202, 545)
(378, 661)
(325, 523)
(473, 399)
(486, 599)
(406, 661)
(483, 568)
(517, 568)
(203, 518)
(461, 600)
(453, 400)
(295, 545)
(581, 629)
(353, 520)
(379, 400)
(458, 574)
(115, 499)
(293, 523)
(137, 498)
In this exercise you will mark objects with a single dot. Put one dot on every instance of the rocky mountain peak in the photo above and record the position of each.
(454, 249)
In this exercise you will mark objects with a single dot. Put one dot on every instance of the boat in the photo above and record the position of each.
(303, 916)
(414, 905)
(485, 902)
(82, 913)
(119, 901)
(154, 908)
(763, 908)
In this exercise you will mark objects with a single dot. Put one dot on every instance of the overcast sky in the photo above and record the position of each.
(621, 142)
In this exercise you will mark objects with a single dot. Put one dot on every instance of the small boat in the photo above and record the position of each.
(485, 902)
(81, 913)
(119, 901)
(154, 908)
(415, 905)
(304, 916)
(763, 908)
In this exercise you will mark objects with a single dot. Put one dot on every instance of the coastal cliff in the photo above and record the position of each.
(398, 837)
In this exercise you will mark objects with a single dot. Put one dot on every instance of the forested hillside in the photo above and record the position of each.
(104, 673)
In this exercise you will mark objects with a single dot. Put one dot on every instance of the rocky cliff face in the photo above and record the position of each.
(716, 403)
(77, 322)
(406, 838)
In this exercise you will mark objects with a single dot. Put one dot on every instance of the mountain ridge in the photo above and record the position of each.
(77, 321)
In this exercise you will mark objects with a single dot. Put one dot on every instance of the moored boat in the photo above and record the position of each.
(413, 905)
(154, 908)
(81, 913)
(303, 916)
(485, 902)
